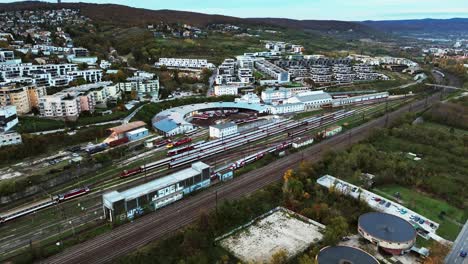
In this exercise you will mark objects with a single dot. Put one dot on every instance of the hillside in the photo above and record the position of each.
(129, 16)
(420, 25)
(324, 26)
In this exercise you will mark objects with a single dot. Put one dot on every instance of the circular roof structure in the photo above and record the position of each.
(387, 227)
(178, 115)
(344, 255)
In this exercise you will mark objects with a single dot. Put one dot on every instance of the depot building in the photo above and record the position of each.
(155, 194)
(391, 233)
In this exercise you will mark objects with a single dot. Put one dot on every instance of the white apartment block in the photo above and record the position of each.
(105, 64)
(179, 63)
(92, 75)
(231, 73)
(321, 78)
(10, 138)
(297, 71)
(8, 117)
(141, 86)
(60, 105)
(226, 90)
(69, 103)
(344, 77)
(277, 73)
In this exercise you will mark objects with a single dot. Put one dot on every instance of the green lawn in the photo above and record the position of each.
(429, 207)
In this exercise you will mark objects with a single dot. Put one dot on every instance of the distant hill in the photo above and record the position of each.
(129, 16)
(420, 25)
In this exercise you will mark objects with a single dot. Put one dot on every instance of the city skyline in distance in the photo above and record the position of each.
(351, 10)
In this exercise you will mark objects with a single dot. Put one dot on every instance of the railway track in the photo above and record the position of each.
(126, 238)
(225, 158)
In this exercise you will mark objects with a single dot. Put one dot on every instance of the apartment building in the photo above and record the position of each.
(232, 72)
(270, 69)
(92, 75)
(10, 138)
(8, 118)
(105, 64)
(226, 90)
(143, 83)
(344, 77)
(321, 78)
(69, 103)
(298, 71)
(179, 63)
(23, 97)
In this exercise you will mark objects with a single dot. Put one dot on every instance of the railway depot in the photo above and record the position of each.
(155, 194)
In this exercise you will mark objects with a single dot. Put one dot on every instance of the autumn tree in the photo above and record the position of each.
(335, 230)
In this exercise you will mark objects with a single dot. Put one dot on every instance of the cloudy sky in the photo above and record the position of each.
(309, 9)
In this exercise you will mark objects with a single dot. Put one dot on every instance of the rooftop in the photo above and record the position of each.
(344, 254)
(155, 185)
(127, 127)
(387, 227)
(224, 125)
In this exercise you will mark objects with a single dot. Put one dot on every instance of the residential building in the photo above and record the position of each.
(179, 63)
(277, 73)
(143, 83)
(10, 138)
(69, 103)
(23, 97)
(226, 90)
(92, 75)
(8, 118)
(223, 130)
(105, 64)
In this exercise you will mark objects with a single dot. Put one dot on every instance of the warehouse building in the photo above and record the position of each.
(223, 130)
(391, 233)
(155, 194)
(121, 131)
(343, 255)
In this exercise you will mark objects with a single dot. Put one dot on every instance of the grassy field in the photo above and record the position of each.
(429, 207)
(29, 124)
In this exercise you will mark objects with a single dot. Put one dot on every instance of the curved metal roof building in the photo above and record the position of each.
(390, 232)
(344, 254)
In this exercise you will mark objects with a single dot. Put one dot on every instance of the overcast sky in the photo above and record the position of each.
(309, 9)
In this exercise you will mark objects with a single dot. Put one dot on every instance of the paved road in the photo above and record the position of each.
(460, 244)
(129, 237)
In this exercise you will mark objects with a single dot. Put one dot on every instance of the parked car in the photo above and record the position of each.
(382, 202)
(388, 204)
(422, 221)
(463, 254)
